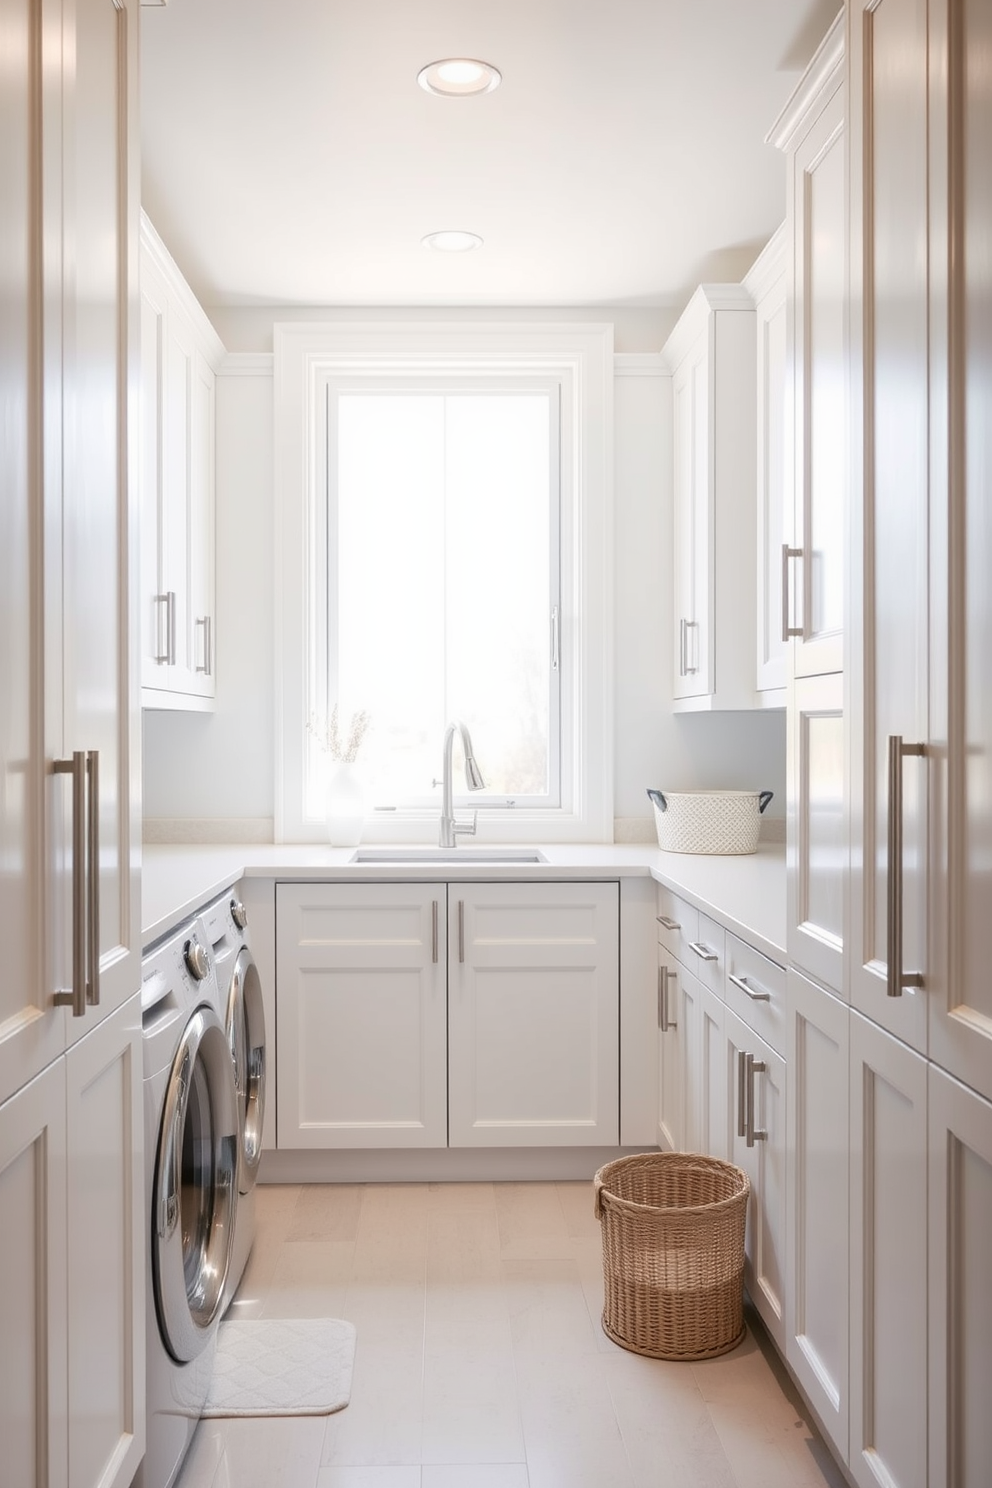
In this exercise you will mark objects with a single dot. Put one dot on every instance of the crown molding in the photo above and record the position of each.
(159, 256)
(707, 299)
(769, 267)
(825, 71)
(639, 364)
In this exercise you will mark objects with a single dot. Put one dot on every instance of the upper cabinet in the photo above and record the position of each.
(766, 281)
(811, 133)
(180, 354)
(711, 356)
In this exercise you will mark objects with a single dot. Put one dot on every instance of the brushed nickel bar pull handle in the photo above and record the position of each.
(75, 997)
(668, 924)
(788, 629)
(682, 649)
(434, 931)
(895, 977)
(703, 951)
(206, 669)
(662, 976)
(667, 1021)
(753, 1067)
(171, 622)
(742, 982)
(690, 671)
(741, 1093)
(93, 878)
(162, 657)
(461, 929)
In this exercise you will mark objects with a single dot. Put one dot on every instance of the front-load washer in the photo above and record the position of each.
(225, 923)
(191, 1186)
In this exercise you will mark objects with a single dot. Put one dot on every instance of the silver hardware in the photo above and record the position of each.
(752, 1067)
(662, 975)
(741, 1093)
(668, 924)
(703, 951)
(450, 828)
(162, 656)
(75, 997)
(896, 978)
(691, 671)
(681, 648)
(206, 668)
(742, 982)
(434, 931)
(788, 629)
(93, 878)
(239, 914)
(461, 929)
(555, 639)
(666, 1021)
(196, 959)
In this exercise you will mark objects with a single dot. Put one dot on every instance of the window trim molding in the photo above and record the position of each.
(304, 352)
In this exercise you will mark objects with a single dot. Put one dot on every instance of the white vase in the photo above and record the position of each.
(345, 806)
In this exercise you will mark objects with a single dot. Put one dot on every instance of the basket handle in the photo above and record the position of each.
(597, 1201)
(763, 798)
(658, 799)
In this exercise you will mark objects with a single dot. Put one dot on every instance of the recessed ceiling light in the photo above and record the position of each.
(456, 77)
(452, 242)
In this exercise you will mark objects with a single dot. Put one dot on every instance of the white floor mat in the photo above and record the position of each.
(282, 1367)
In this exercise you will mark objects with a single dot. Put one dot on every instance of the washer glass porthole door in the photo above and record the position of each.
(246, 1031)
(195, 1187)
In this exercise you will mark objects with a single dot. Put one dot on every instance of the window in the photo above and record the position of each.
(443, 551)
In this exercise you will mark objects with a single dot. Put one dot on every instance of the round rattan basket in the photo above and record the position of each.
(673, 1253)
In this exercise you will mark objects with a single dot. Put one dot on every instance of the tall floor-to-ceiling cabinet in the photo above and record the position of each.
(71, 1140)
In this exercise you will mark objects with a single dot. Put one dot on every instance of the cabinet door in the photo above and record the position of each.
(817, 1266)
(763, 1093)
(959, 1341)
(693, 520)
(889, 602)
(961, 539)
(818, 212)
(361, 1040)
(99, 528)
(107, 1236)
(888, 1260)
(533, 1014)
(817, 850)
(671, 1055)
(773, 529)
(32, 1028)
(157, 605)
(710, 1063)
(33, 1282)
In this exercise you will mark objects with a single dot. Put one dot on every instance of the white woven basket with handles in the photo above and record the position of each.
(709, 821)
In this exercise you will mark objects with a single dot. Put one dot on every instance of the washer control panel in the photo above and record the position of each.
(196, 958)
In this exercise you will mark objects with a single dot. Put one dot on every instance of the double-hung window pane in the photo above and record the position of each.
(442, 582)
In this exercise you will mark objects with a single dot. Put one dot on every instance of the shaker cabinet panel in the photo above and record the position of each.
(817, 852)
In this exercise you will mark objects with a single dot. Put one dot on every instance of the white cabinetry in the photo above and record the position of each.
(469, 1015)
(817, 829)
(811, 133)
(712, 359)
(888, 1249)
(69, 746)
(818, 1144)
(72, 1286)
(180, 353)
(766, 281)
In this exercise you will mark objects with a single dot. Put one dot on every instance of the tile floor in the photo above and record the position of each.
(481, 1362)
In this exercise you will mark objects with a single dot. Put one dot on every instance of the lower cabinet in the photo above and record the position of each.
(756, 1142)
(817, 1256)
(72, 1285)
(888, 1431)
(432, 1014)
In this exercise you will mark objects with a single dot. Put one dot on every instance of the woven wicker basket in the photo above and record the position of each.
(673, 1253)
(724, 822)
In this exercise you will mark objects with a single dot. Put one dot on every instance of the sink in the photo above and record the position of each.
(448, 855)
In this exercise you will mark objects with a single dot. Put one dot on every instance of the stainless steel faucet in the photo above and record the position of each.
(450, 828)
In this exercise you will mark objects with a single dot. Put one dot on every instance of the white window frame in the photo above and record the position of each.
(580, 358)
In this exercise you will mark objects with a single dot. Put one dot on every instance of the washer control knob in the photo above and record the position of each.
(239, 914)
(196, 959)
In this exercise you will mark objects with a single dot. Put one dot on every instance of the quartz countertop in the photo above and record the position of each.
(746, 893)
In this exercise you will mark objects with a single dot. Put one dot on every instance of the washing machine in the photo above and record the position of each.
(225, 925)
(191, 1188)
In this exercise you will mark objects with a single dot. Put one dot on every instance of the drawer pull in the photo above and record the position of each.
(665, 1022)
(669, 924)
(703, 951)
(752, 1067)
(741, 981)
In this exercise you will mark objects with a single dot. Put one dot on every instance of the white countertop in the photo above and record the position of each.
(746, 894)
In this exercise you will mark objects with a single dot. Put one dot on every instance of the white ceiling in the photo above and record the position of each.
(289, 157)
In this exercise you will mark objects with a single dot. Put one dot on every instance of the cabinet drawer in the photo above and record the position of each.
(755, 990)
(707, 954)
(678, 926)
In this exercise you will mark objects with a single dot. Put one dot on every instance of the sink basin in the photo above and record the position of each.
(448, 855)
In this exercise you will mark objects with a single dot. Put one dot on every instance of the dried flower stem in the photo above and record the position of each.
(328, 735)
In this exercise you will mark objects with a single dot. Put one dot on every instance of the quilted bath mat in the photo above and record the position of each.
(282, 1367)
